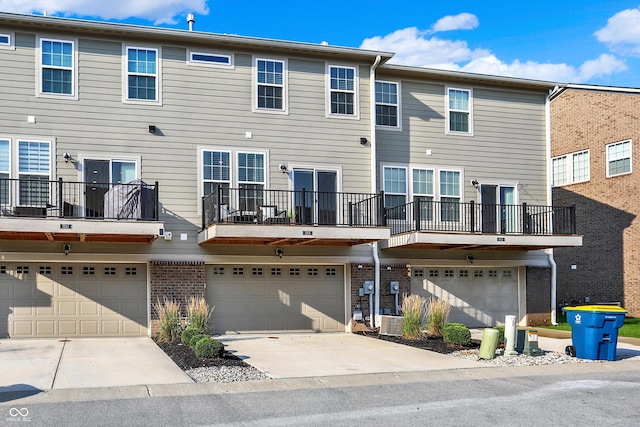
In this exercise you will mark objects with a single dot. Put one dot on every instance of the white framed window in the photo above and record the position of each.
(216, 173)
(5, 171)
(459, 107)
(251, 180)
(34, 172)
(142, 75)
(227, 169)
(571, 168)
(6, 41)
(342, 83)
(57, 68)
(450, 195)
(388, 104)
(559, 166)
(423, 186)
(28, 161)
(619, 158)
(270, 85)
(207, 59)
(395, 190)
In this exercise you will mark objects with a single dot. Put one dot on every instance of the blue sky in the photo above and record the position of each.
(586, 41)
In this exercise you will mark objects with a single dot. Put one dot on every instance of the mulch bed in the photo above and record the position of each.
(185, 358)
(426, 342)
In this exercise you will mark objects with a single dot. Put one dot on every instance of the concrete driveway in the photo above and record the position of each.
(328, 354)
(33, 365)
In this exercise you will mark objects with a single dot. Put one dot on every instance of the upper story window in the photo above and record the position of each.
(270, 85)
(342, 91)
(57, 72)
(34, 172)
(251, 180)
(459, 111)
(424, 191)
(571, 168)
(210, 59)
(216, 172)
(6, 41)
(619, 158)
(387, 104)
(244, 171)
(450, 195)
(5, 151)
(395, 190)
(142, 74)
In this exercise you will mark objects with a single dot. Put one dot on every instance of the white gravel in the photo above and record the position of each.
(549, 358)
(226, 374)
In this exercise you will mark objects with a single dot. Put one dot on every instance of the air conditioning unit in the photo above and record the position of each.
(391, 325)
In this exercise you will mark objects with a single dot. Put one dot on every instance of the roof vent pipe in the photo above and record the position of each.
(191, 19)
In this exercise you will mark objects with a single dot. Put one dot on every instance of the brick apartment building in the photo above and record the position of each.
(594, 136)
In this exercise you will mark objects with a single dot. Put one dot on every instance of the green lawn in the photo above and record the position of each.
(631, 327)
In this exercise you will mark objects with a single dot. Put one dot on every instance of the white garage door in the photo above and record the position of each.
(65, 300)
(478, 296)
(259, 298)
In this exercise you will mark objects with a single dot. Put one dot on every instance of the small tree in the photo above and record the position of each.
(414, 309)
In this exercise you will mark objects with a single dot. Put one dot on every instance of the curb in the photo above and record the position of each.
(12, 398)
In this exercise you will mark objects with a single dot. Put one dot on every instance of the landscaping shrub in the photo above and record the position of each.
(438, 314)
(414, 310)
(209, 347)
(198, 314)
(194, 340)
(187, 334)
(456, 333)
(500, 334)
(169, 317)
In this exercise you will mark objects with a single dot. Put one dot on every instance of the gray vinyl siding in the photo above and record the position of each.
(201, 107)
(508, 142)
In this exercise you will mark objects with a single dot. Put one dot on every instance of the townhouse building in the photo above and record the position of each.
(290, 184)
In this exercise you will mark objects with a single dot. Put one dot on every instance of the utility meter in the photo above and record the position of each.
(394, 288)
(368, 287)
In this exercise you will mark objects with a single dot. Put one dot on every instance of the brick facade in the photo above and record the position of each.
(538, 296)
(388, 274)
(176, 280)
(607, 267)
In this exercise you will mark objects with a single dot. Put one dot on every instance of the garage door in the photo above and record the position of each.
(64, 300)
(258, 298)
(478, 296)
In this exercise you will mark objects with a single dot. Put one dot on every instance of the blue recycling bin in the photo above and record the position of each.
(594, 330)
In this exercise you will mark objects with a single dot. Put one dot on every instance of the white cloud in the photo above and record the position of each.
(157, 11)
(462, 21)
(418, 48)
(411, 47)
(622, 32)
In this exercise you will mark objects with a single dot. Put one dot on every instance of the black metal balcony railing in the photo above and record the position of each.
(426, 215)
(259, 206)
(41, 198)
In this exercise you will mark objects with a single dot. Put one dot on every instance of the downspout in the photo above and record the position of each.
(374, 247)
(552, 262)
(554, 302)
